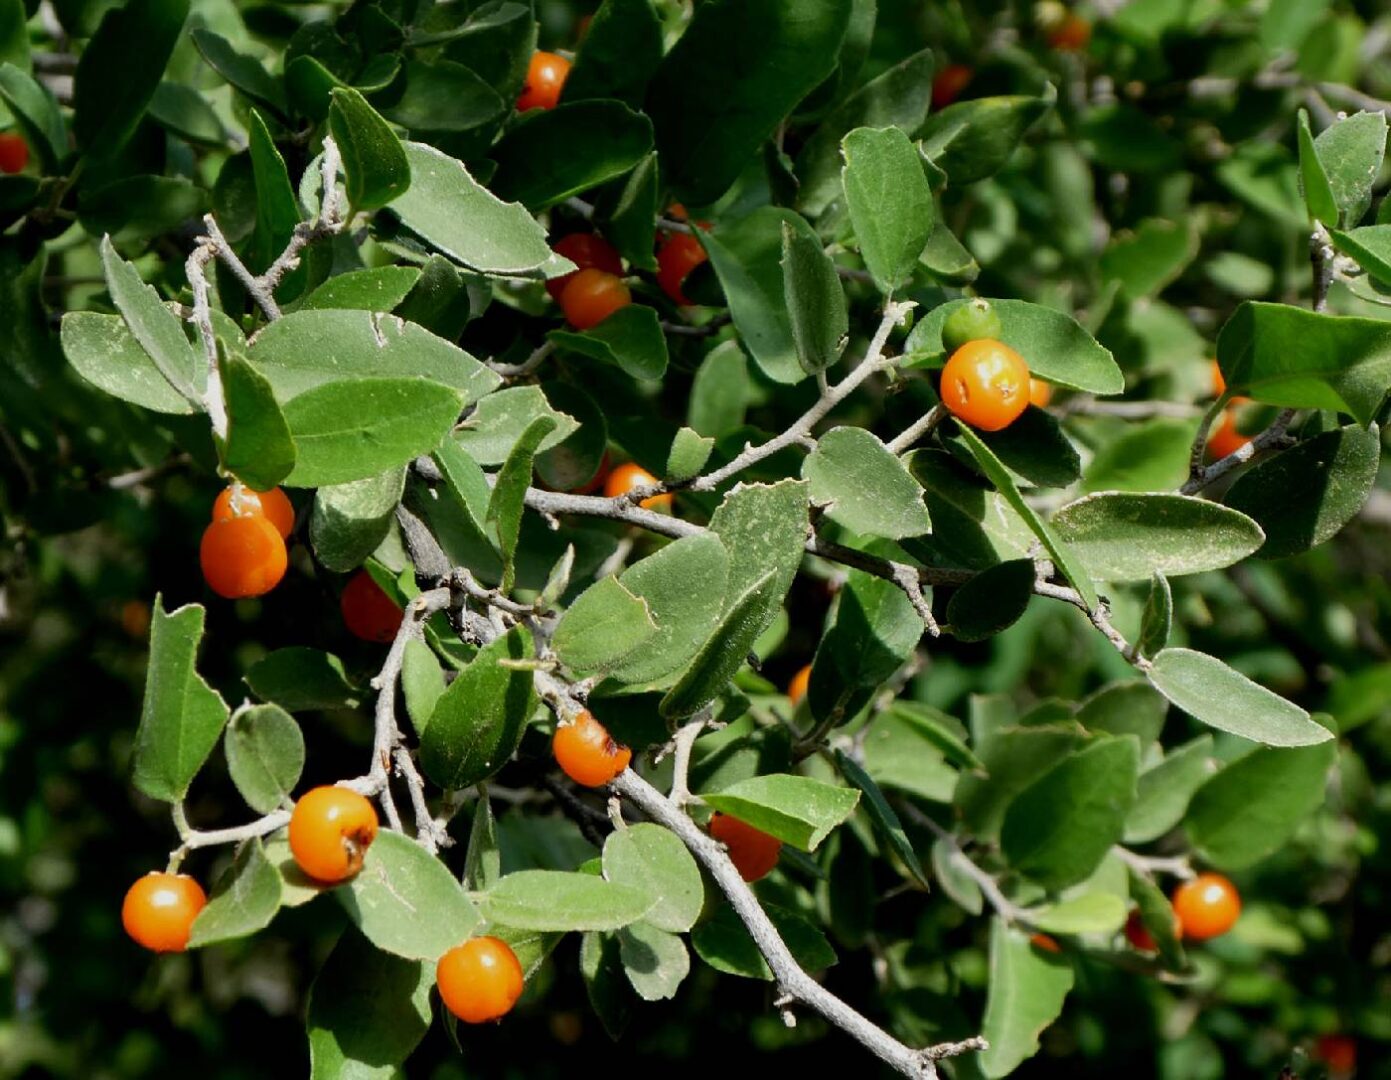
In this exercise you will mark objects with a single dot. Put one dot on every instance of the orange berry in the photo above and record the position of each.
(242, 556)
(1040, 393)
(1208, 906)
(14, 152)
(677, 211)
(679, 254)
(1338, 1052)
(591, 296)
(797, 685)
(159, 910)
(1073, 34)
(1219, 384)
(135, 619)
(587, 753)
(331, 829)
(949, 83)
(1046, 943)
(274, 505)
(479, 980)
(752, 851)
(986, 384)
(1225, 438)
(585, 250)
(545, 77)
(368, 611)
(630, 475)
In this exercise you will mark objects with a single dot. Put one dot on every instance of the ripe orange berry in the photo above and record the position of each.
(1338, 1052)
(368, 611)
(242, 556)
(14, 153)
(1225, 438)
(331, 829)
(545, 77)
(587, 753)
(591, 296)
(986, 384)
(797, 685)
(631, 475)
(274, 505)
(679, 254)
(585, 250)
(159, 910)
(753, 852)
(1073, 34)
(1040, 393)
(1208, 906)
(1046, 943)
(949, 83)
(479, 980)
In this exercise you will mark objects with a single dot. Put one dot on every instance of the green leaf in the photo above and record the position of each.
(265, 755)
(889, 201)
(555, 900)
(1027, 987)
(795, 809)
(103, 351)
(373, 159)
(654, 860)
(455, 214)
(764, 528)
(110, 92)
(1318, 192)
(885, 821)
(747, 258)
(684, 587)
(555, 153)
(1164, 790)
(1149, 258)
(959, 885)
(36, 112)
(1252, 807)
(1351, 152)
(720, 392)
(865, 487)
(1054, 345)
(14, 34)
(974, 139)
(1220, 697)
(406, 902)
(725, 651)
(1128, 536)
(1286, 23)
(351, 520)
(1149, 456)
(507, 502)
(738, 69)
(1088, 913)
(367, 1011)
(1281, 355)
(655, 960)
(242, 71)
(245, 900)
(1034, 450)
(494, 427)
(1157, 913)
(1157, 617)
(259, 450)
(1059, 828)
(1370, 246)
(300, 679)
(688, 455)
(619, 53)
(943, 732)
(723, 942)
(605, 625)
(440, 96)
(899, 97)
(306, 349)
(631, 339)
(153, 325)
(628, 215)
(277, 209)
(815, 301)
(182, 716)
(140, 207)
(360, 428)
(483, 860)
(1303, 496)
(992, 601)
(380, 288)
(477, 724)
(1128, 707)
(1070, 566)
(609, 992)
(1264, 175)
(186, 113)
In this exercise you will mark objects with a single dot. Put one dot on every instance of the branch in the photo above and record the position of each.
(793, 983)
(1277, 434)
(1006, 908)
(680, 746)
(1149, 865)
(191, 838)
(214, 402)
(920, 430)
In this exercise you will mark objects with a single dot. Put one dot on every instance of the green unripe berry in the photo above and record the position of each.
(972, 321)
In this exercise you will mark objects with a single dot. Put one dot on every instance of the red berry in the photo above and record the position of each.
(679, 254)
(752, 851)
(14, 153)
(368, 611)
(585, 250)
(545, 77)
